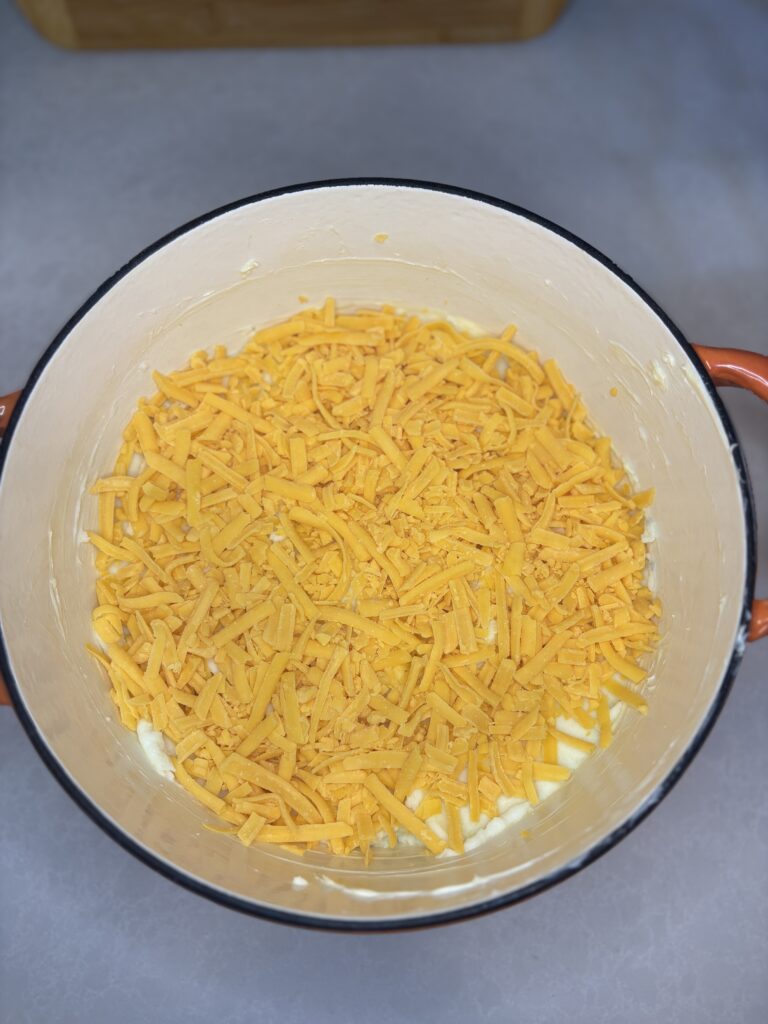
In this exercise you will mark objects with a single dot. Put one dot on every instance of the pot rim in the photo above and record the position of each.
(552, 878)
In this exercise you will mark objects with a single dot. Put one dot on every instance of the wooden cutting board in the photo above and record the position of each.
(173, 24)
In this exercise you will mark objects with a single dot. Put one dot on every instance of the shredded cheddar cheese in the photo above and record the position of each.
(368, 556)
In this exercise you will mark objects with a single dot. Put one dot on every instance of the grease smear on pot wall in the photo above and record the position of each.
(373, 577)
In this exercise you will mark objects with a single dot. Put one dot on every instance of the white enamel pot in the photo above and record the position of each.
(447, 250)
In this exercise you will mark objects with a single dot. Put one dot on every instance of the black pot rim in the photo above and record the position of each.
(552, 878)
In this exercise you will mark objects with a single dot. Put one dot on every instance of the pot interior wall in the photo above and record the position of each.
(444, 254)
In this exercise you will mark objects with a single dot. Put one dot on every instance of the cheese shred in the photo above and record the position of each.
(369, 556)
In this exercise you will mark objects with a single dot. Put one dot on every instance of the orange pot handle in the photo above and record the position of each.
(735, 367)
(7, 404)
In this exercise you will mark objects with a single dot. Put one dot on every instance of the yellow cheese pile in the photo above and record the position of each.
(368, 555)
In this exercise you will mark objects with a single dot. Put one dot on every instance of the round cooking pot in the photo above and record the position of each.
(427, 249)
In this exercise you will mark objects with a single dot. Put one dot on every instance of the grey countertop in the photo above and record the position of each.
(641, 127)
